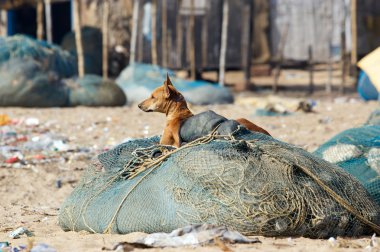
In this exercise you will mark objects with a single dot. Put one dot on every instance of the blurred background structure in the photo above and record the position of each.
(199, 36)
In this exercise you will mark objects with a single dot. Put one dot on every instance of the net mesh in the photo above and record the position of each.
(247, 181)
(357, 151)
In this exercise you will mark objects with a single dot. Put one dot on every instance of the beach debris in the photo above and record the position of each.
(195, 235)
(333, 242)
(15, 234)
(42, 247)
(32, 122)
(4, 119)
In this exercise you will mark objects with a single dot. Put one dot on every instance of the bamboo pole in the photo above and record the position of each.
(192, 41)
(179, 35)
(78, 37)
(164, 35)
(3, 23)
(49, 32)
(354, 39)
(40, 20)
(154, 32)
(311, 69)
(106, 10)
(246, 42)
(223, 47)
(140, 38)
(204, 40)
(135, 21)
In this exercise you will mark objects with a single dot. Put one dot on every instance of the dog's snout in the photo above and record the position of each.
(139, 106)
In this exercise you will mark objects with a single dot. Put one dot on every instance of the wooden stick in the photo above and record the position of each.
(135, 18)
(311, 69)
(179, 34)
(329, 71)
(106, 10)
(223, 47)
(343, 61)
(40, 20)
(78, 37)
(246, 43)
(164, 35)
(3, 23)
(154, 32)
(354, 34)
(192, 41)
(49, 34)
(140, 38)
(204, 40)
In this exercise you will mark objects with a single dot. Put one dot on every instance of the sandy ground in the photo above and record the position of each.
(29, 196)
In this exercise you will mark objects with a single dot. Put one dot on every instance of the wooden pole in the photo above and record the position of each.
(164, 35)
(311, 70)
(40, 20)
(106, 10)
(154, 32)
(135, 17)
(3, 23)
(192, 41)
(204, 40)
(179, 34)
(140, 38)
(78, 37)
(354, 34)
(246, 42)
(49, 33)
(329, 71)
(343, 61)
(223, 46)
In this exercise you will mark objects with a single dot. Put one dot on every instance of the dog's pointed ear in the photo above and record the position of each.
(167, 90)
(168, 81)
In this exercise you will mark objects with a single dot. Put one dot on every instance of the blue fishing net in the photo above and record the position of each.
(139, 80)
(357, 151)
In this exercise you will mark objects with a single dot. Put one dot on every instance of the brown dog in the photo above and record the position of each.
(166, 99)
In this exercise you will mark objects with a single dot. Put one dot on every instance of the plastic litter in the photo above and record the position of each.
(32, 121)
(42, 247)
(195, 235)
(15, 234)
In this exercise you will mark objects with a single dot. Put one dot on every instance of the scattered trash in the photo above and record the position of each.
(58, 183)
(195, 235)
(333, 242)
(42, 247)
(12, 160)
(15, 234)
(29, 141)
(32, 121)
(4, 244)
(4, 119)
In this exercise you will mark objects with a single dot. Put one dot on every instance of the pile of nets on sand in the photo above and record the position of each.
(357, 151)
(33, 74)
(139, 81)
(249, 182)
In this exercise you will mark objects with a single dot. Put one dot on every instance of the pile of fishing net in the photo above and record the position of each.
(33, 74)
(357, 151)
(139, 81)
(246, 181)
(51, 57)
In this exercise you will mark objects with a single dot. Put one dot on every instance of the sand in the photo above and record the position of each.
(29, 197)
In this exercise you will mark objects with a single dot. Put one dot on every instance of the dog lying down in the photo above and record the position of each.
(181, 124)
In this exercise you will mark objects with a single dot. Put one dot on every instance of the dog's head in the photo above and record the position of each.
(162, 98)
